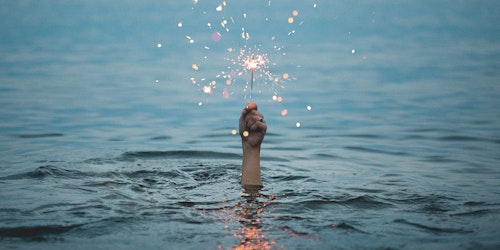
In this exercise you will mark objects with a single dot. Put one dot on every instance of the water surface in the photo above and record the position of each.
(104, 143)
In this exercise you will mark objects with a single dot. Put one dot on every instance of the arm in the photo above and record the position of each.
(252, 130)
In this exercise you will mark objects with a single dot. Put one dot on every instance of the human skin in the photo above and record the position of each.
(252, 128)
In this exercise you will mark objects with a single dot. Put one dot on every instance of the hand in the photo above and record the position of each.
(252, 126)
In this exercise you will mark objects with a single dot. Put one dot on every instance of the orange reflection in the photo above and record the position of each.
(250, 232)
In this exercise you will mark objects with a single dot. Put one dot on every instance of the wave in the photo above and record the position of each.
(433, 229)
(179, 154)
(42, 135)
(36, 233)
(187, 154)
(377, 151)
(358, 202)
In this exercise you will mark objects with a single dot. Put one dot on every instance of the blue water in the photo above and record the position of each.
(105, 142)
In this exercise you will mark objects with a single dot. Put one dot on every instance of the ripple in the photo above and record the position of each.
(161, 138)
(433, 229)
(180, 154)
(42, 135)
(36, 233)
(366, 202)
(346, 227)
(461, 138)
(377, 151)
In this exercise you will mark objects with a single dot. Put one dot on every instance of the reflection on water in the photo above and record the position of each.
(248, 212)
(245, 220)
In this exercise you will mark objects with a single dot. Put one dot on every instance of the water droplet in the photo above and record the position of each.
(308, 107)
(297, 124)
(179, 24)
(158, 45)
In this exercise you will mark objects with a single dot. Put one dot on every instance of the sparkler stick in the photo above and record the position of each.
(252, 64)
(251, 81)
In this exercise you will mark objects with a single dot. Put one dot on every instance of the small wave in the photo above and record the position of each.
(40, 172)
(479, 212)
(457, 138)
(161, 137)
(298, 234)
(477, 209)
(324, 156)
(432, 228)
(438, 159)
(42, 135)
(187, 154)
(179, 154)
(346, 227)
(377, 151)
(363, 136)
(366, 190)
(36, 233)
(365, 202)
(359, 202)
(288, 178)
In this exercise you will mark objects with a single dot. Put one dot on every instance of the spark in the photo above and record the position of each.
(251, 63)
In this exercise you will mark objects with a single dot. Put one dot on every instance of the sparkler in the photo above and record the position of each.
(253, 63)
(251, 60)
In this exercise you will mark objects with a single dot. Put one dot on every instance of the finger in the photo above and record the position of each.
(259, 126)
(251, 106)
(252, 117)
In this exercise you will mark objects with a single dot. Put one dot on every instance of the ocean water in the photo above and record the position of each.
(391, 138)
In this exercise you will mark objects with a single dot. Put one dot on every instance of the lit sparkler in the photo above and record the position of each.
(253, 63)
(251, 60)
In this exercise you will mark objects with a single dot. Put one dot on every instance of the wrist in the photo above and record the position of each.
(250, 172)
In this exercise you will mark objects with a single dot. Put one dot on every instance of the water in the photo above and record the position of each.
(104, 143)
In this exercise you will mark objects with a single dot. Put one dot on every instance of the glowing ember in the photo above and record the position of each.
(207, 89)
